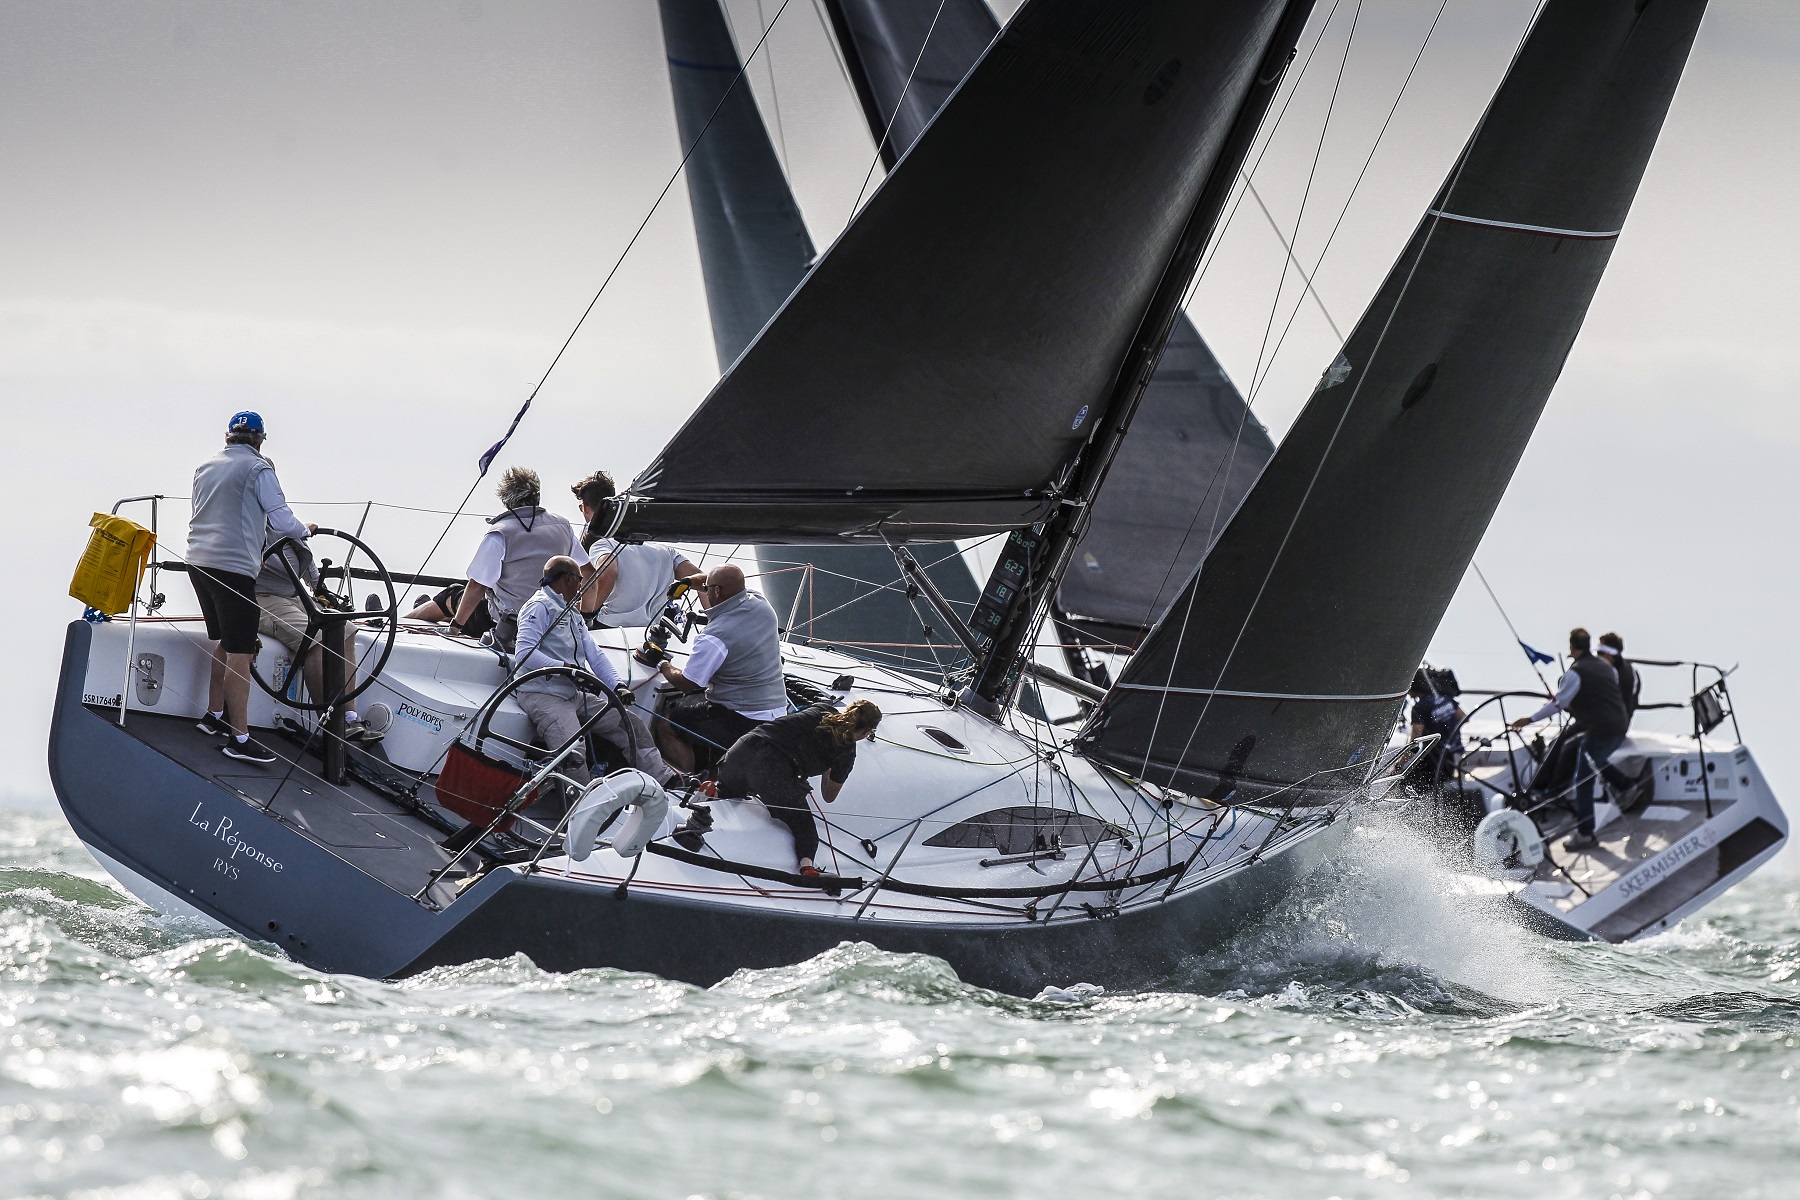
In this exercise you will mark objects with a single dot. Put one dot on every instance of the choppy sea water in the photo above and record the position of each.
(1372, 1038)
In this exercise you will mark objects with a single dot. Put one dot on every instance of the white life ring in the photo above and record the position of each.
(1507, 842)
(602, 799)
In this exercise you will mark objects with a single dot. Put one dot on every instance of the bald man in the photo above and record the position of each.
(732, 681)
(552, 634)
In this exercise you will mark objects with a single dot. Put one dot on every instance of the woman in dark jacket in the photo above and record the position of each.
(773, 762)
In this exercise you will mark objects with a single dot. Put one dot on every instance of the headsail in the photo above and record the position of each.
(1287, 654)
(754, 248)
(940, 367)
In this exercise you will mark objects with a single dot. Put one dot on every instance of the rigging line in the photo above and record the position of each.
(1517, 640)
(1274, 308)
(775, 96)
(1193, 288)
(1250, 403)
(1344, 211)
(837, 51)
(1263, 150)
(1349, 404)
(888, 129)
(1294, 259)
(487, 460)
(1312, 174)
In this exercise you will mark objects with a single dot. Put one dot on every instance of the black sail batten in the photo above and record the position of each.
(1284, 660)
(942, 365)
(754, 248)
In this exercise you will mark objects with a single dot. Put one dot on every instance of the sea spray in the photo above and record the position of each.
(1373, 1036)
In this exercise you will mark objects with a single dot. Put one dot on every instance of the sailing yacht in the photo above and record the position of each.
(969, 359)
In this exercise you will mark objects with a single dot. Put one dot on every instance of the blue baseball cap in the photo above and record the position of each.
(245, 420)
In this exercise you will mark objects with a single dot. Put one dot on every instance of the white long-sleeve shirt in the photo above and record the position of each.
(551, 634)
(1566, 687)
(275, 507)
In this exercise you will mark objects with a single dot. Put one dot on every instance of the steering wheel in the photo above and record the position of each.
(328, 604)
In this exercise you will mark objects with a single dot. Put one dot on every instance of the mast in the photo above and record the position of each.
(1014, 601)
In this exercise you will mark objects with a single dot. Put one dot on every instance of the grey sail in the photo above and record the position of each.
(1193, 453)
(754, 248)
(1285, 657)
(944, 362)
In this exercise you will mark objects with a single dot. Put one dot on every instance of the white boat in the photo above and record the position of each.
(1698, 817)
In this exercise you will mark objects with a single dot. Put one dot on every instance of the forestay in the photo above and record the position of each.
(1287, 654)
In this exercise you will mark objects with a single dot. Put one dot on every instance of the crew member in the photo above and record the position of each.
(551, 634)
(631, 583)
(1612, 648)
(284, 619)
(1434, 712)
(236, 497)
(507, 564)
(774, 761)
(732, 682)
(1589, 693)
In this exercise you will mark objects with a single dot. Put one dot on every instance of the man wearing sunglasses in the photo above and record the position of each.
(552, 634)
(731, 682)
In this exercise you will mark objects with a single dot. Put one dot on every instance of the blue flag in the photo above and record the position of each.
(487, 460)
(1536, 656)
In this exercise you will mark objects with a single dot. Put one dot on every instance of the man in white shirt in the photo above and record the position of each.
(631, 582)
(731, 683)
(504, 571)
(236, 499)
(551, 634)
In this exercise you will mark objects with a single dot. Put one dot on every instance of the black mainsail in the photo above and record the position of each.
(942, 367)
(754, 250)
(1193, 452)
(1286, 655)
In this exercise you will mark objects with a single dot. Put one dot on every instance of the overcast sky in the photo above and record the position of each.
(376, 223)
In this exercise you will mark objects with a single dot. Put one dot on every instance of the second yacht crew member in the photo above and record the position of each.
(732, 681)
(631, 582)
(1631, 684)
(1589, 693)
(236, 497)
(551, 634)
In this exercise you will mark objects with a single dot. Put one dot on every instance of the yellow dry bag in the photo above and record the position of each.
(107, 576)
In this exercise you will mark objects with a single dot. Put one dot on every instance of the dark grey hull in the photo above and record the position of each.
(327, 874)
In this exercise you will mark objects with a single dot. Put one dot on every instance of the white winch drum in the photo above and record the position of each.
(1507, 842)
(602, 799)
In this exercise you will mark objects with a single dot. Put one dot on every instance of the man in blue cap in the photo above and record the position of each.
(236, 499)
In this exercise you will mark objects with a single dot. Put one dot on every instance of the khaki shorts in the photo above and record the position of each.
(284, 619)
